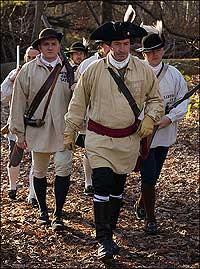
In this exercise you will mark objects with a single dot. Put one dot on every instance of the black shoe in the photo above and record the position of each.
(12, 194)
(43, 219)
(115, 248)
(150, 227)
(89, 190)
(139, 212)
(105, 251)
(57, 224)
(34, 203)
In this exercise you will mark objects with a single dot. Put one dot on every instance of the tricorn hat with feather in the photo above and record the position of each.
(155, 38)
(111, 31)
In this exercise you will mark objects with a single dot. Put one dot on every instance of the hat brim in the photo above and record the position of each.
(159, 46)
(35, 43)
(109, 31)
(78, 49)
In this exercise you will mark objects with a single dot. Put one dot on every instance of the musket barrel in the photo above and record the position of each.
(185, 97)
(18, 57)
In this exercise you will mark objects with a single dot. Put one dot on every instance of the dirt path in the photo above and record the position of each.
(25, 245)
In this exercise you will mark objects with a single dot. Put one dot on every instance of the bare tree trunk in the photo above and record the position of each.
(39, 9)
(3, 52)
(106, 12)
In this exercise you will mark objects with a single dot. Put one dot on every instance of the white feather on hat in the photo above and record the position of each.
(85, 42)
(156, 29)
(130, 14)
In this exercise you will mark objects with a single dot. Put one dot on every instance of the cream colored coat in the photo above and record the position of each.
(48, 138)
(109, 107)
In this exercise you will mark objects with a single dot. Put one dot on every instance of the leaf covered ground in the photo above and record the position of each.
(24, 244)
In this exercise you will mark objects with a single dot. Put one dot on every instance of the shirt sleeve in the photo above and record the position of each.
(154, 106)
(18, 105)
(179, 112)
(78, 105)
(7, 87)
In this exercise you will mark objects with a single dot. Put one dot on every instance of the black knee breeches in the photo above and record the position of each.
(106, 182)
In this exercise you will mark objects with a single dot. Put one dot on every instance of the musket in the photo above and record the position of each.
(70, 72)
(185, 97)
(148, 140)
(18, 58)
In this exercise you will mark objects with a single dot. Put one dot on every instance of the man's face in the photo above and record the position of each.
(103, 49)
(120, 49)
(49, 49)
(77, 57)
(154, 57)
(30, 55)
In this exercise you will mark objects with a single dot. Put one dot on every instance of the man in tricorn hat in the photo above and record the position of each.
(172, 87)
(112, 143)
(78, 53)
(47, 138)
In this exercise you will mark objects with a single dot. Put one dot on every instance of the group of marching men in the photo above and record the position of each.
(95, 114)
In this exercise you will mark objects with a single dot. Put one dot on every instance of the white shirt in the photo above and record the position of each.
(85, 64)
(6, 94)
(172, 87)
(7, 87)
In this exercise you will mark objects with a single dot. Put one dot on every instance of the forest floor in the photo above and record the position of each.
(24, 244)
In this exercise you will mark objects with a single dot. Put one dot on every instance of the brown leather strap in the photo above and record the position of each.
(122, 86)
(52, 88)
(42, 92)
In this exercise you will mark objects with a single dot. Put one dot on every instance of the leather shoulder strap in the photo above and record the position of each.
(43, 90)
(51, 91)
(125, 91)
(162, 71)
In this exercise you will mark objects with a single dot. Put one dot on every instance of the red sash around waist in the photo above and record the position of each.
(116, 133)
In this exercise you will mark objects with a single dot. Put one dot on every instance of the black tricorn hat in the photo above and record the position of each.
(78, 46)
(151, 42)
(47, 33)
(111, 31)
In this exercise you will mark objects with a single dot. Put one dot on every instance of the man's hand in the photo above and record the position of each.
(69, 141)
(21, 142)
(22, 145)
(146, 127)
(164, 122)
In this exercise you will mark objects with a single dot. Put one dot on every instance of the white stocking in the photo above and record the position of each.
(88, 171)
(13, 173)
(31, 189)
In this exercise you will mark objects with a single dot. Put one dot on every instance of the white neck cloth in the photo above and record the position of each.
(52, 64)
(156, 69)
(117, 64)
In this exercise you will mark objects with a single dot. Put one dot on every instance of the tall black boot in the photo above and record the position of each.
(103, 230)
(40, 187)
(115, 205)
(61, 189)
(148, 195)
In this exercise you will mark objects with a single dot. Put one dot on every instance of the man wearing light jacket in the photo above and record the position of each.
(112, 143)
(172, 88)
(48, 139)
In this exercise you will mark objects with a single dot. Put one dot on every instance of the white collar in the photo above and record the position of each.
(117, 64)
(52, 64)
(156, 69)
